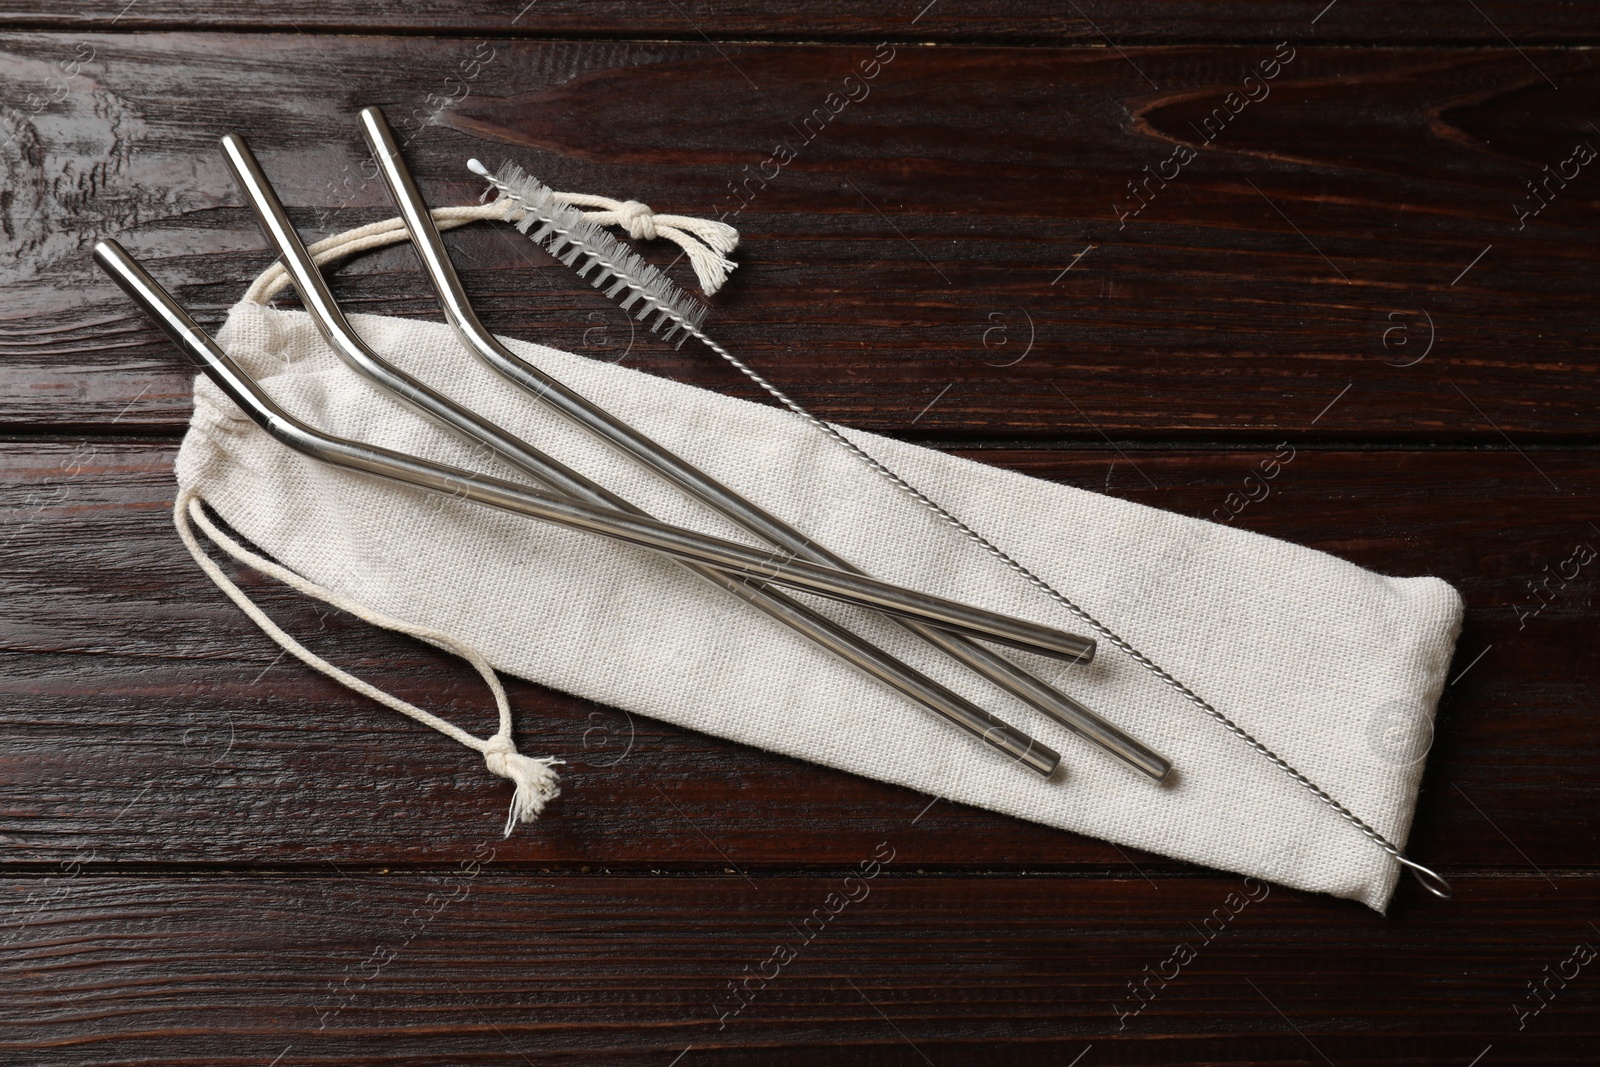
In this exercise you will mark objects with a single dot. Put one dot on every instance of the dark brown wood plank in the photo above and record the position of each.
(1000, 21)
(914, 249)
(145, 721)
(211, 856)
(479, 966)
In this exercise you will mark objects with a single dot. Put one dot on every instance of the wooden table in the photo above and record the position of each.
(213, 856)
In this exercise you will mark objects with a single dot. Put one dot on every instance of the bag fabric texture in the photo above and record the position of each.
(1334, 667)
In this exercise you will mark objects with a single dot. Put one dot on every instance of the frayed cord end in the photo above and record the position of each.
(535, 779)
(710, 269)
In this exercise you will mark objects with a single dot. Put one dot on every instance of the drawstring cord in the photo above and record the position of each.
(704, 241)
(274, 280)
(535, 780)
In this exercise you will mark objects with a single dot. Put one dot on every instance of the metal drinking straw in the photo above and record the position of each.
(826, 581)
(631, 527)
(458, 311)
(349, 346)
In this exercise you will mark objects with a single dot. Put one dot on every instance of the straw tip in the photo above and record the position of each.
(477, 168)
(109, 256)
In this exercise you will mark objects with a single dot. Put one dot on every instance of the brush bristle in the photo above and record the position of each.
(593, 254)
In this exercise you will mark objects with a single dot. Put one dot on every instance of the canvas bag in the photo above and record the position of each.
(1335, 667)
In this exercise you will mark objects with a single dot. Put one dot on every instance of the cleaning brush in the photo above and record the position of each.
(597, 257)
(660, 294)
(581, 241)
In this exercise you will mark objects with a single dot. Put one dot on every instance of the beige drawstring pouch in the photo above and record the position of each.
(1333, 669)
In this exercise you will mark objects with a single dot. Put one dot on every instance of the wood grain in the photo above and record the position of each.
(475, 965)
(908, 270)
(210, 856)
(1094, 24)
(147, 720)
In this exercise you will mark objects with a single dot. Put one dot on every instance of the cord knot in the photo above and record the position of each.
(535, 779)
(637, 219)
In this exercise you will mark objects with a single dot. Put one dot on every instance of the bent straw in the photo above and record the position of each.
(581, 238)
(825, 580)
(356, 354)
(630, 528)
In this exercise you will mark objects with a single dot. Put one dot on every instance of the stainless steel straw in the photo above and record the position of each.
(356, 354)
(824, 580)
(458, 311)
(630, 526)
